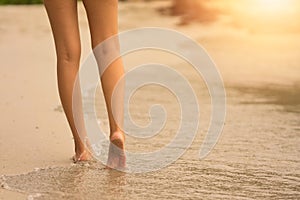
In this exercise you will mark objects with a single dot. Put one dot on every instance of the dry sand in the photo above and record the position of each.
(34, 132)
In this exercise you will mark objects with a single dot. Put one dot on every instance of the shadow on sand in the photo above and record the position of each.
(288, 97)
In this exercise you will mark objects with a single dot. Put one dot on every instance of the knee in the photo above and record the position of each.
(69, 54)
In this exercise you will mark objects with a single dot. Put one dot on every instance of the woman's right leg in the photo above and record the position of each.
(103, 22)
(64, 23)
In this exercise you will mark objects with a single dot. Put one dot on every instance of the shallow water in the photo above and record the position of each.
(256, 157)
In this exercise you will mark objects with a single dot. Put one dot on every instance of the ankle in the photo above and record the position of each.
(117, 135)
(79, 148)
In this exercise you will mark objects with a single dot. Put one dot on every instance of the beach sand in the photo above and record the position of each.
(257, 155)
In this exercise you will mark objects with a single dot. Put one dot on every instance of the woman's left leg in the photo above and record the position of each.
(64, 23)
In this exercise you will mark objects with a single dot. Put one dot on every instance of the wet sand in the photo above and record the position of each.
(257, 155)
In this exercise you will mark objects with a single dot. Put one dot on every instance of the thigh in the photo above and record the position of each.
(64, 23)
(103, 19)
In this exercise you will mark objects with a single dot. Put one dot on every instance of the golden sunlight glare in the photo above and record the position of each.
(265, 15)
(274, 5)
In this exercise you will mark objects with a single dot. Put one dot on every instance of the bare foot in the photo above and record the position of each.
(83, 156)
(116, 155)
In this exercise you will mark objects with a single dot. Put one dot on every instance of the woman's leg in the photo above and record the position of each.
(64, 23)
(103, 23)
